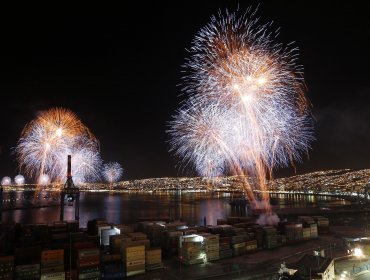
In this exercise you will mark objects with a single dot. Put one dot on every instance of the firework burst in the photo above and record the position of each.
(6, 181)
(19, 180)
(47, 140)
(112, 172)
(247, 112)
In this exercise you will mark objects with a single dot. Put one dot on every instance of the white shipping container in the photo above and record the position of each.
(53, 276)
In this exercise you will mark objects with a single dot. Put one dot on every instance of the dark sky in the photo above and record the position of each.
(119, 73)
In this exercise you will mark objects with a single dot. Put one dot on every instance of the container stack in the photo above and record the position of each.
(251, 246)
(52, 264)
(121, 229)
(133, 259)
(27, 272)
(215, 229)
(298, 232)
(171, 243)
(155, 234)
(269, 238)
(225, 248)
(88, 263)
(250, 234)
(289, 233)
(313, 228)
(212, 246)
(306, 220)
(238, 241)
(143, 226)
(153, 259)
(226, 230)
(7, 238)
(280, 240)
(113, 271)
(258, 233)
(191, 253)
(188, 231)
(240, 232)
(239, 248)
(58, 232)
(115, 242)
(175, 226)
(92, 225)
(306, 233)
(28, 255)
(112, 266)
(322, 224)
(27, 236)
(190, 249)
(6, 268)
(136, 236)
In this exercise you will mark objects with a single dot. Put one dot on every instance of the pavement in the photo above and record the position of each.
(354, 268)
(260, 265)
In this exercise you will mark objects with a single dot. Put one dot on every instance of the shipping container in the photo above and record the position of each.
(53, 276)
(113, 271)
(306, 233)
(133, 258)
(27, 272)
(6, 267)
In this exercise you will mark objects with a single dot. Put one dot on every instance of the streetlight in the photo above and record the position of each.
(345, 275)
(358, 253)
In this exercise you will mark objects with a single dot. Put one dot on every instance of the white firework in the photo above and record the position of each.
(44, 180)
(19, 180)
(46, 142)
(247, 112)
(112, 172)
(6, 181)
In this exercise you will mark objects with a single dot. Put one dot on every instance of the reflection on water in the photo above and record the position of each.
(301, 200)
(129, 207)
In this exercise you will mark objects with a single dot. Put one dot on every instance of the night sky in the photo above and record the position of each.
(121, 73)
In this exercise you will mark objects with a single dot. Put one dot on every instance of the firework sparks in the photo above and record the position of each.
(112, 172)
(6, 181)
(19, 180)
(247, 113)
(44, 180)
(47, 140)
(86, 164)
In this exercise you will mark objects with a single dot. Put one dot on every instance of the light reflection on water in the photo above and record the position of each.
(129, 207)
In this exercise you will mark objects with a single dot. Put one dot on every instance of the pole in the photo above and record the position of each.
(69, 172)
(62, 194)
(70, 256)
(77, 205)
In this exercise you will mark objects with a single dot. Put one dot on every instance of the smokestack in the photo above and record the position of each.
(69, 173)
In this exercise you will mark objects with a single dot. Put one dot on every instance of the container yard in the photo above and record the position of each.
(108, 251)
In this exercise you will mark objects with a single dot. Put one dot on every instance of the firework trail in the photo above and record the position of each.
(112, 172)
(47, 140)
(19, 180)
(247, 112)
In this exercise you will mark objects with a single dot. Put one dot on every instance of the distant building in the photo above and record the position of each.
(315, 267)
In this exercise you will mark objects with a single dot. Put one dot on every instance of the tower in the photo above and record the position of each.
(70, 193)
